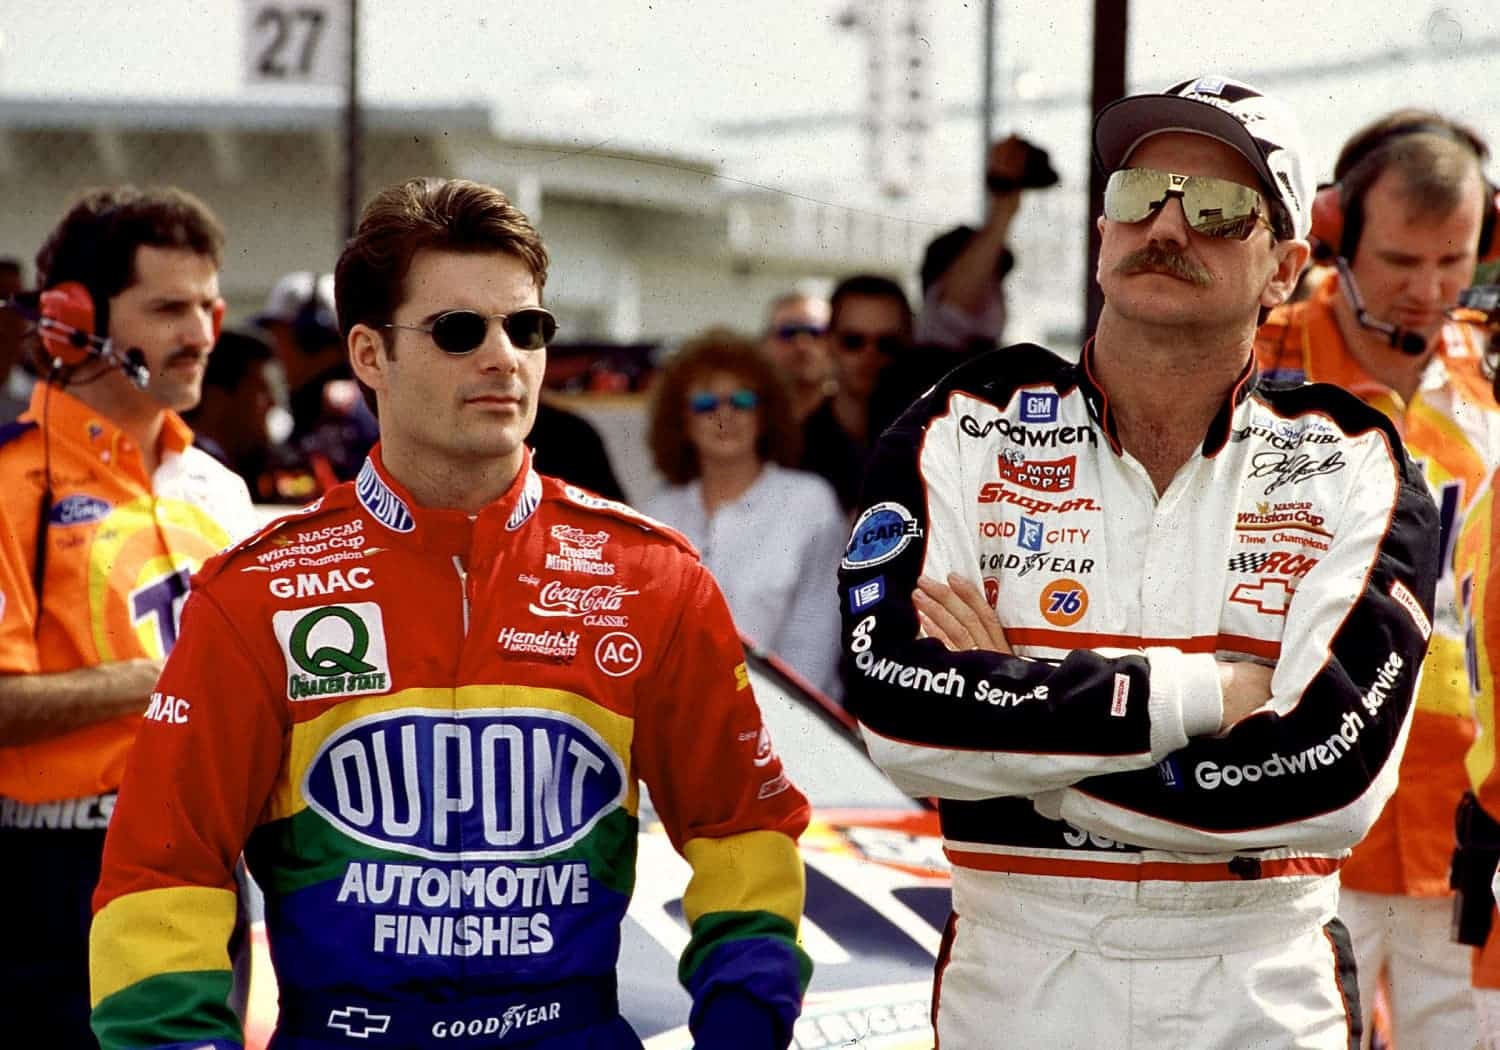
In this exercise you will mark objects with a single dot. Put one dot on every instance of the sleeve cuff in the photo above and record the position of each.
(731, 1018)
(1185, 698)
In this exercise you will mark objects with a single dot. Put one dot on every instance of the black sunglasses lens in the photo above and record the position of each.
(459, 332)
(530, 329)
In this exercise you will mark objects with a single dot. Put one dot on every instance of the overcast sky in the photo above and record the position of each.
(772, 90)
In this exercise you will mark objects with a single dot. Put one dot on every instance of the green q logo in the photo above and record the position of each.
(328, 661)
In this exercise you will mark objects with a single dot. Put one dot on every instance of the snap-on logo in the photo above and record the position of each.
(484, 784)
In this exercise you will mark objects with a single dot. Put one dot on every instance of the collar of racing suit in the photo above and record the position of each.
(1218, 430)
(407, 523)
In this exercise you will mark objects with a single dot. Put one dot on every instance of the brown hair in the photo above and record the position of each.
(95, 242)
(719, 350)
(1434, 157)
(425, 213)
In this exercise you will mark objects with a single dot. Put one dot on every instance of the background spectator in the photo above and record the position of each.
(330, 420)
(796, 340)
(15, 381)
(869, 324)
(565, 445)
(722, 434)
(232, 423)
(963, 295)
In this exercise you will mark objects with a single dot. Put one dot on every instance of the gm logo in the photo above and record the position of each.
(864, 595)
(484, 784)
(1038, 408)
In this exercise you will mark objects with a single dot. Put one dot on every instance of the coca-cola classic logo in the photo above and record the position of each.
(558, 599)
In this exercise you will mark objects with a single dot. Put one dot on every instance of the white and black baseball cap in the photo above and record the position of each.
(301, 297)
(1262, 129)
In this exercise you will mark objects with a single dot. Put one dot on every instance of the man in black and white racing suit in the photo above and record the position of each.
(1148, 627)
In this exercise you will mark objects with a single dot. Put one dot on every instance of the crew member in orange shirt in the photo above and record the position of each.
(106, 510)
(1405, 222)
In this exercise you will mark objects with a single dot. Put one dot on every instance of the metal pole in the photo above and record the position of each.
(987, 110)
(352, 130)
(1111, 19)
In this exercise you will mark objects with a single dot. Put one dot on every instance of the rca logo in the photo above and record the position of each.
(618, 654)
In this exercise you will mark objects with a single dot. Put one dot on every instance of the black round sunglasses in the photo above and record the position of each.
(460, 332)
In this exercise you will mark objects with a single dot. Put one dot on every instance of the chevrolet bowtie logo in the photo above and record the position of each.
(359, 1023)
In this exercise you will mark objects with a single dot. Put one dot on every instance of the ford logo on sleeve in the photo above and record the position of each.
(881, 533)
(483, 784)
(78, 510)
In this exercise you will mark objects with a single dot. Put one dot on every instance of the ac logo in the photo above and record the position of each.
(618, 653)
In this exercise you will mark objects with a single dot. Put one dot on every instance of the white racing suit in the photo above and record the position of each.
(1124, 874)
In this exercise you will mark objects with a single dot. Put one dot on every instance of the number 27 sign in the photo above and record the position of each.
(296, 42)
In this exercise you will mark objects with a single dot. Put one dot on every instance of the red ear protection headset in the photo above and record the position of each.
(1338, 213)
(69, 330)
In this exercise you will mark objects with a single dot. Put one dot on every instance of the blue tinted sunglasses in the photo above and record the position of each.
(702, 403)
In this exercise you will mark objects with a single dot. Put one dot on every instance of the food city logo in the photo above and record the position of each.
(597, 606)
(1039, 475)
(1032, 534)
(477, 784)
(881, 533)
(333, 650)
(579, 551)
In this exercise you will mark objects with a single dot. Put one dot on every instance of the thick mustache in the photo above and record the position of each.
(1155, 259)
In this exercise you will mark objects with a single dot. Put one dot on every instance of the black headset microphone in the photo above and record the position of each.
(131, 362)
(1403, 339)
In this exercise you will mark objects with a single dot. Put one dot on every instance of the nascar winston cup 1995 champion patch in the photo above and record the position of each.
(333, 650)
(881, 533)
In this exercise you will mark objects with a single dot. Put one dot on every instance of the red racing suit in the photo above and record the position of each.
(1085, 774)
(428, 730)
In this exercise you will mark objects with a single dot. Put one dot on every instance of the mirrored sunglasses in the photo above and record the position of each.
(703, 402)
(1214, 207)
(459, 332)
